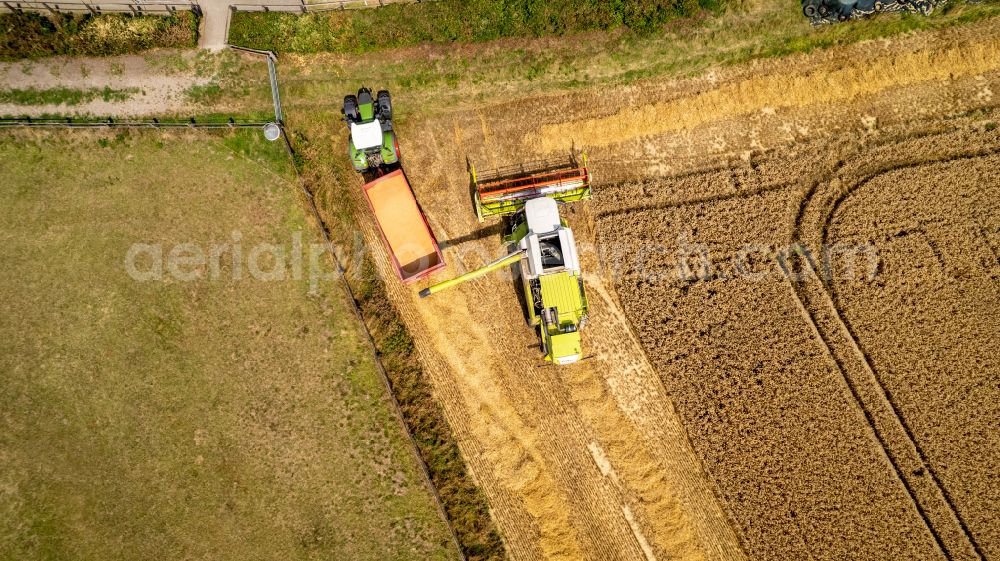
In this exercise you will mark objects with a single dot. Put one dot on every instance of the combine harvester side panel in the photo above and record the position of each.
(503, 191)
(414, 251)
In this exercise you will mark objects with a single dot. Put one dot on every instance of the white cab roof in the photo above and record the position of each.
(367, 135)
(542, 214)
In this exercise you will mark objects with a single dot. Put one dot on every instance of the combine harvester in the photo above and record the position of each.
(374, 152)
(543, 250)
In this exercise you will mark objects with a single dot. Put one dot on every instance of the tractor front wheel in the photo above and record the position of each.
(384, 105)
(350, 109)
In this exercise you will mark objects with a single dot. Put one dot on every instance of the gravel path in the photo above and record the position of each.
(160, 87)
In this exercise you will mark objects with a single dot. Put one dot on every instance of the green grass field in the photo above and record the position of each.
(203, 419)
(64, 96)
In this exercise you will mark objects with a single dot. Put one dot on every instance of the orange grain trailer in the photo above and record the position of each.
(412, 247)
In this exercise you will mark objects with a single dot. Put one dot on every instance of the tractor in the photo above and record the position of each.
(542, 251)
(373, 146)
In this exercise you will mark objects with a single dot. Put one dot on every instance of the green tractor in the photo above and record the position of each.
(373, 146)
(543, 253)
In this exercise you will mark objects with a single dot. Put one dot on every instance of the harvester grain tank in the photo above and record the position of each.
(542, 250)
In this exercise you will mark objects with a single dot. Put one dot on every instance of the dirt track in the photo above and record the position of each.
(806, 425)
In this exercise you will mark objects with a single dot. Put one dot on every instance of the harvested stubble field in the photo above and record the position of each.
(721, 417)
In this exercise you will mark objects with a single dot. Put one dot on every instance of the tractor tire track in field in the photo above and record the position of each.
(931, 496)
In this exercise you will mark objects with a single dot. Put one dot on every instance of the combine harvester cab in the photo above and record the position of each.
(542, 245)
(374, 153)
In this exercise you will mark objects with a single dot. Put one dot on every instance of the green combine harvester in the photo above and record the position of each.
(543, 252)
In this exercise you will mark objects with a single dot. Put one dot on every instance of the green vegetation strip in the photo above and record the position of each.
(464, 503)
(447, 21)
(64, 96)
(732, 34)
(32, 35)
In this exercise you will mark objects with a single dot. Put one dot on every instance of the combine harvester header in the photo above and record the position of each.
(504, 191)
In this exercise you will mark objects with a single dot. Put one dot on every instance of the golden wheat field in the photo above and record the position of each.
(845, 410)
